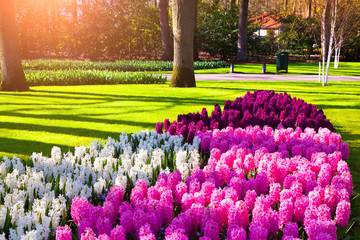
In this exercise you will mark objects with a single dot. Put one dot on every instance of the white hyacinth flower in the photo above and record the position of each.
(2, 236)
(121, 180)
(99, 186)
(3, 212)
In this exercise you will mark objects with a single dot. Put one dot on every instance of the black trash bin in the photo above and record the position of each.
(282, 61)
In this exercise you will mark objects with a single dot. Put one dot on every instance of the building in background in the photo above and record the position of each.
(268, 25)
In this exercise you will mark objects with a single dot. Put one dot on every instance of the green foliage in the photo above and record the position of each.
(299, 34)
(92, 29)
(130, 29)
(261, 45)
(54, 64)
(217, 30)
(351, 50)
(85, 77)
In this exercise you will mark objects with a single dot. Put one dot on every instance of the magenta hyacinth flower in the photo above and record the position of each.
(118, 233)
(343, 213)
(63, 233)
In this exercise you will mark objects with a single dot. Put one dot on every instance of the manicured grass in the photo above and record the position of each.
(344, 69)
(68, 116)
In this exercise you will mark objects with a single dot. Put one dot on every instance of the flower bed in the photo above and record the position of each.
(56, 64)
(250, 191)
(86, 77)
(259, 108)
(35, 197)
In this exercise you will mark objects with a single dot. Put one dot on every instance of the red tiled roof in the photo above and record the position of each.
(266, 21)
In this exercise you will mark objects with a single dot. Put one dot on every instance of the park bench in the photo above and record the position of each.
(233, 63)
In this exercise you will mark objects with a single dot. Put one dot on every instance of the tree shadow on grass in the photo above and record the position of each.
(84, 132)
(117, 97)
(22, 147)
(340, 107)
(278, 88)
(76, 118)
(42, 105)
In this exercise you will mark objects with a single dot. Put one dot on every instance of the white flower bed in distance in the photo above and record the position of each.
(35, 196)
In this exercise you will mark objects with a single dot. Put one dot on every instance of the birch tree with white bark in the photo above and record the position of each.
(338, 18)
(324, 11)
(346, 26)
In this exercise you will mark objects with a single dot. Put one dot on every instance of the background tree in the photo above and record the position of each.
(12, 74)
(183, 30)
(130, 29)
(330, 47)
(325, 19)
(217, 30)
(196, 40)
(299, 35)
(166, 40)
(335, 18)
(242, 50)
(347, 26)
(89, 29)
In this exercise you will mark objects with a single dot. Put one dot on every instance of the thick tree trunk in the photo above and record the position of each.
(12, 73)
(196, 49)
(242, 51)
(183, 29)
(167, 45)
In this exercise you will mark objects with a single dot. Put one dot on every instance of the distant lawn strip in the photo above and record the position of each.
(90, 77)
(55, 64)
(345, 69)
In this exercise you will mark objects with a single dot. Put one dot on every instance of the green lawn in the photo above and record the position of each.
(345, 69)
(69, 116)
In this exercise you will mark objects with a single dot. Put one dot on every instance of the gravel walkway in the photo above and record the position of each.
(265, 77)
